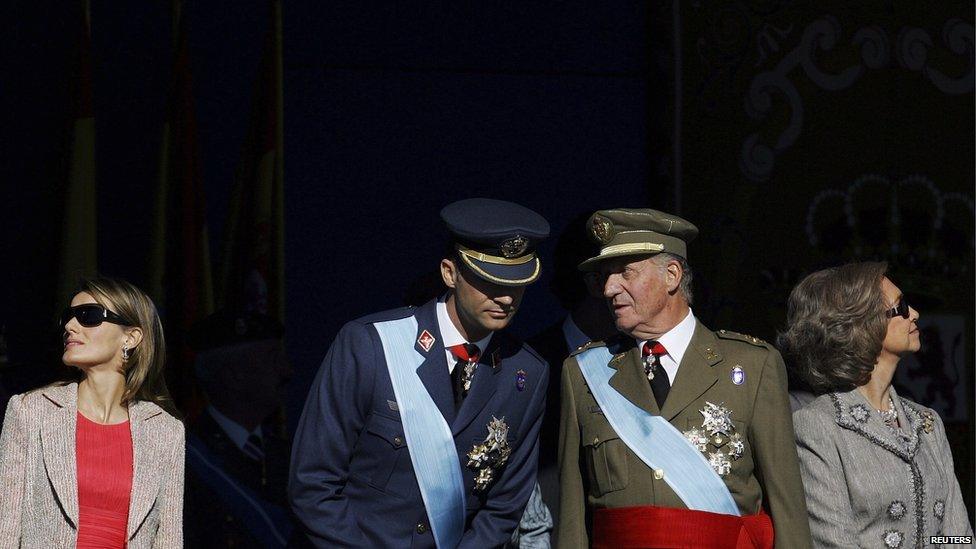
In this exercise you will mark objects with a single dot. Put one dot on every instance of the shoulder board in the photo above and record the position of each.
(588, 345)
(752, 340)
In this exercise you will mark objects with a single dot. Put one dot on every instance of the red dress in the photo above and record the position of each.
(104, 457)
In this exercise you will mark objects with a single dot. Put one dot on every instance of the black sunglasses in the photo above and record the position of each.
(90, 315)
(899, 310)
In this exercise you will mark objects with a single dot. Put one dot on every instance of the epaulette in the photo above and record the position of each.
(752, 340)
(587, 345)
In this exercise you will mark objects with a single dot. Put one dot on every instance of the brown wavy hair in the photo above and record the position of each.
(143, 372)
(835, 326)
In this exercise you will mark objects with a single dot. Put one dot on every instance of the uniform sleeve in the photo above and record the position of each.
(494, 523)
(536, 525)
(572, 495)
(334, 416)
(956, 521)
(772, 440)
(170, 533)
(828, 499)
(13, 457)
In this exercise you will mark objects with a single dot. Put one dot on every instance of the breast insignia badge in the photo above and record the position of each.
(717, 432)
(488, 457)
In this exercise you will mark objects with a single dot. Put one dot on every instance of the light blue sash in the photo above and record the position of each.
(655, 441)
(429, 439)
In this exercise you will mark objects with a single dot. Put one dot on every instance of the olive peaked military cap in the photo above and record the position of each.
(627, 231)
(496, 239)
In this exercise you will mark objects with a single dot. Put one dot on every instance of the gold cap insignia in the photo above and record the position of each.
(602, 229)
(514, 247)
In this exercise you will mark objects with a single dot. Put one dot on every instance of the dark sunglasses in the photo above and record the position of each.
(90, 315)
(899, 310)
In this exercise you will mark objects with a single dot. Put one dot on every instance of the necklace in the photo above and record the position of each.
(889, 416)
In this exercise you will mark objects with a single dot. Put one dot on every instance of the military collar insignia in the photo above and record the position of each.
(514, 247)
(717, 431)
(426, 341)
(488, 457)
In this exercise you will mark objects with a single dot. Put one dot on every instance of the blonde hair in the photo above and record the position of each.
(143, 371)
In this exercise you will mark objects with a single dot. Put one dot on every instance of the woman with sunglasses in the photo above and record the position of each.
(97, 462)
(877, 470)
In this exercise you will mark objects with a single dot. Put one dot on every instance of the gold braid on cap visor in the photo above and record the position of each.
(494, 259)
(504, 282)
(634, 247)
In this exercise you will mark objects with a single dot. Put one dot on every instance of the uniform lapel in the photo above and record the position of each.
(483, 385)
(58, 446)
(695, 373)
(433, 371)
(629, 379)
(145, 464)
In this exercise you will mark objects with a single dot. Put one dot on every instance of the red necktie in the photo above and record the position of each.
(660, 385)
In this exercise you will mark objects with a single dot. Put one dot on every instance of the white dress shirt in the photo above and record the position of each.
(675, 341)
(452, 336)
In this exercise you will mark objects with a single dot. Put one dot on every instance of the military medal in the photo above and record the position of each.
(650, 366)
(491, 455)
(520, 380)
(468, 375)
(717, 431)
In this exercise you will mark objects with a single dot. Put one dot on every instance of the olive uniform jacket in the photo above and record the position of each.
(38, 476)
(597, 470)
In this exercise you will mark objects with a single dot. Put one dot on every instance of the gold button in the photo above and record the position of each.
(658, 474)
(596, 440)
(421, 528)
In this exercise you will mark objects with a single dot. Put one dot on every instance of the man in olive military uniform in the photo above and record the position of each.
(671, 434)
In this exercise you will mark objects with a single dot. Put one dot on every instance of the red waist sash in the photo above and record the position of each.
(649, 527)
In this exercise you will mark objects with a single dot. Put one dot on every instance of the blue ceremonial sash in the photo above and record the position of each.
(266, 522)
(655, 441)
(429, 439)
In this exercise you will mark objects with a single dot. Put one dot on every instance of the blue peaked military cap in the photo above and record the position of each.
(496, 239)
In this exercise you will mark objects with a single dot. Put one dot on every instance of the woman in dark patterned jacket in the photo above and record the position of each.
(876, 468)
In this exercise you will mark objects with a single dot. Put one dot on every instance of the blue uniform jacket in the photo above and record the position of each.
(352, 482)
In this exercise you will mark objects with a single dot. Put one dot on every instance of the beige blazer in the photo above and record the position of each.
(38, 474)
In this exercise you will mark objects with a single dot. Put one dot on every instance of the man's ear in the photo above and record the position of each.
(673, 276)
(449, 273)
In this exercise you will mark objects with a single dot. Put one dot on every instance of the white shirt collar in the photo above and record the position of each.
(450, 334)
(573, 335)
(234, 431)
(675, 341)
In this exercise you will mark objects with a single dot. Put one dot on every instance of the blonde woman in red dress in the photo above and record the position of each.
(97, 462)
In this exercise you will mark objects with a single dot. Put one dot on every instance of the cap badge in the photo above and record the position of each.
(514, 247)
(602, 228)
(426, 341)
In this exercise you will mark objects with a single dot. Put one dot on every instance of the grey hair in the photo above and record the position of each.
(687, 277)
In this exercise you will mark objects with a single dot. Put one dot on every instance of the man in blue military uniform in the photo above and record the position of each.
(421, 427)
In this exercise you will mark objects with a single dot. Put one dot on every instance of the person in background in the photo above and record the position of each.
(421, 427)
(588, 319)
(97, 462)
(672, 435)
(237, 455)
(876, 467)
